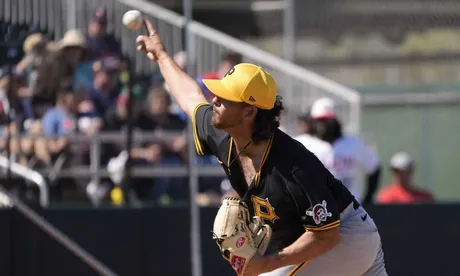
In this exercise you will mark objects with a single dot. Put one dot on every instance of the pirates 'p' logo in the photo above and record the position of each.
(263, 209)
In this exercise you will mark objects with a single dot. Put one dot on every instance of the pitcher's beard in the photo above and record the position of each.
(222, 124)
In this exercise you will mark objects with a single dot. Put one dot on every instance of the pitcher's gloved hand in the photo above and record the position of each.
(238, 236)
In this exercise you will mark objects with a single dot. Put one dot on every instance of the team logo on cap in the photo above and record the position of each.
(251, 99)
(319, 212)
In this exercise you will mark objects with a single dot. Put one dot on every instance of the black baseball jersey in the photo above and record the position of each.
(292, 192)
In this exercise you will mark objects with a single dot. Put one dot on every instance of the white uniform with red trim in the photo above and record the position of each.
(318, 147)
(351, 156)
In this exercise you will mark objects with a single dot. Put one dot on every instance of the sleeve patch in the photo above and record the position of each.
(319, 213)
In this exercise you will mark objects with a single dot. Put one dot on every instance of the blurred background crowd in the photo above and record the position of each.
(60, 92)
(56, 94)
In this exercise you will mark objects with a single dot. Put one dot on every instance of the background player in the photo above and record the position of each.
(402, 190)
(314, 217)
(350, 153)
(307, 137)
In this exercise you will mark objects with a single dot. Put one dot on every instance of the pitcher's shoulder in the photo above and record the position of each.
(291, 152)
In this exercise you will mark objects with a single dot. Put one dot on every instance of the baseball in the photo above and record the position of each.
(132, 19)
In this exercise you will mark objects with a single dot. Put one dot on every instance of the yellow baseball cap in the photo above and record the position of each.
(246, 83)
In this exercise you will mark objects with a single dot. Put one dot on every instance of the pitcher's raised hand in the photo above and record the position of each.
(183, 88)
(150, 43)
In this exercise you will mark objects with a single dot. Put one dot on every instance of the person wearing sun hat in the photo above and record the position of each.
(69, 54)
(74, 45)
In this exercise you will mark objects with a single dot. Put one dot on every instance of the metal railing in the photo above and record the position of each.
(95, 170)
(30, 175)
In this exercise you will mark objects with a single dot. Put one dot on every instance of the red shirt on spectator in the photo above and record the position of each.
(396, 193)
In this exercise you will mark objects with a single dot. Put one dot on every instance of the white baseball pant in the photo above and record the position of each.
(359, 252)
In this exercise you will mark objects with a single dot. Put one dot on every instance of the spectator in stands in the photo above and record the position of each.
(14, 94)
(15, 106)
(113, 152)
(59, 71)
(97, 98)
(56, 150)
(95, 103)
(35, 52)
(89, 121)
(157, 117)
(30, 143)
(58, 124)
(116, 119)
(23, 117)
(402, 189)
(106, 85)
(100, 43)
